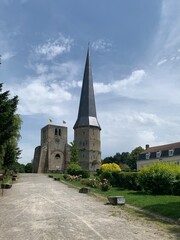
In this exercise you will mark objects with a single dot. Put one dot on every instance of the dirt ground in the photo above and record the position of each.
(38, 208)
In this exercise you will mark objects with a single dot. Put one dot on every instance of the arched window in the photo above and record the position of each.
(57, 156)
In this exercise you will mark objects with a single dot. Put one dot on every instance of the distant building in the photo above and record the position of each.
(166, 153)
(54, 152)
(87, 128)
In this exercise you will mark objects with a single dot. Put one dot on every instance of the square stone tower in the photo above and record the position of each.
(54, 152)
(87, 128)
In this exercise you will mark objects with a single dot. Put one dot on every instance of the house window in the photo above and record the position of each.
(158, 154)
(147, 156)
(171, 152)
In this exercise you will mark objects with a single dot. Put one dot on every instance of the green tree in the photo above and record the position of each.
(117, 158)
(124, 157)
(108, 160)
(18, 167)
(74, 153)
(28, 168)
(134, 156)
(11, 153)
(9, 128)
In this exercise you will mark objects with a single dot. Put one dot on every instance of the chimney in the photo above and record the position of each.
(147, 146)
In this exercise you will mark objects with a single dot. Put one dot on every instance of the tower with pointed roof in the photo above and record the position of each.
(87, 128)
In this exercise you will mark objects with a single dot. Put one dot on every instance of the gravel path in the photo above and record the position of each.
(38, 208)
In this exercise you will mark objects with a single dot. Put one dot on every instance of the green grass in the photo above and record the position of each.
(165, 205)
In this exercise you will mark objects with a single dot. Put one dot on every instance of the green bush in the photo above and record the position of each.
(110, 167)
(127, 180)
(159, 178)
(176, 187)
(109, 176)
(90, 182)
(84, 173)
(73, 169)
(104, 185)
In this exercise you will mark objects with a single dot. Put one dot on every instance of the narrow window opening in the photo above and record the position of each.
(55, 131)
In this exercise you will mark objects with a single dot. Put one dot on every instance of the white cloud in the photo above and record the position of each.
(161, 62)
(101, 45)
(144, 118)
(41, 68)
(124, 130)
(146, 137)
(121, 86)
(7, 55)
(52, 48)
(38, 96)
(167, 38)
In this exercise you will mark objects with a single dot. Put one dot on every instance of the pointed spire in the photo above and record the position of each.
(87, 108)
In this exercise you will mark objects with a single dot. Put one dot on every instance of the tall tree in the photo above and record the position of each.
(10, 124)
(74, 153)
(134, 156)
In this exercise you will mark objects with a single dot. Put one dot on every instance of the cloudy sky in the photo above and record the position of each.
(135, 56)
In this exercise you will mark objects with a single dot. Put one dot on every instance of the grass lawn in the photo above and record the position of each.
(165, 205)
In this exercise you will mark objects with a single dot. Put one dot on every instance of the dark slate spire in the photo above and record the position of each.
(87, 108)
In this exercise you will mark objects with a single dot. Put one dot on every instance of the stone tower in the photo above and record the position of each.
(87, 128)
(54, 152)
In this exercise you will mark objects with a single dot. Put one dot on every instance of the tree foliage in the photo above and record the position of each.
(10, 124)
(28, 168)
(126, 160)
(133, 157)
(74, 153)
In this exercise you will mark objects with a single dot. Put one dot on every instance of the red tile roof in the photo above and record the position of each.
(162, 147)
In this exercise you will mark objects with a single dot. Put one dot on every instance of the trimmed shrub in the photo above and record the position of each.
(159, 178)
(104, 185)
(128, 180)
(84, 173)
(109, 176)
(110, 167)
(107, 170)
(73, 169)
(91, 182)
(176, 184)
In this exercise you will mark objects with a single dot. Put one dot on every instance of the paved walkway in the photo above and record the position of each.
(38, 208)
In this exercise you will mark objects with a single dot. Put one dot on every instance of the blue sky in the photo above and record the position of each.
(135, 56)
